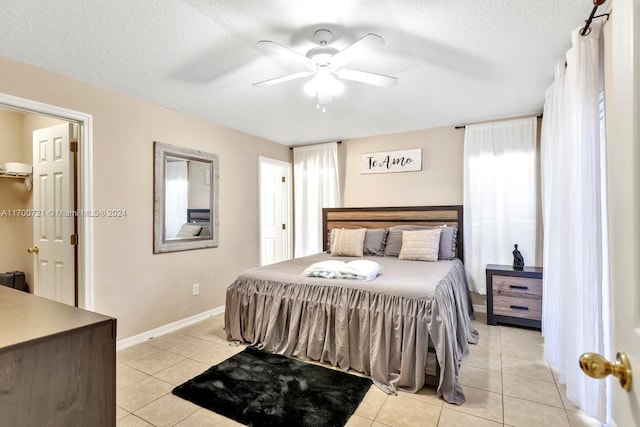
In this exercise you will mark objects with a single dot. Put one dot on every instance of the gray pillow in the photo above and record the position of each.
(394, 238)
(448, 236)
(374, 241)
(206, 230)
(447, 249)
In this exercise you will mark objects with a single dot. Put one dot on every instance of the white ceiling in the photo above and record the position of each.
(457, 61)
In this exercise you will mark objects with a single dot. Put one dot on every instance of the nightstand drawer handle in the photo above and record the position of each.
(524, 288)
(519, 307)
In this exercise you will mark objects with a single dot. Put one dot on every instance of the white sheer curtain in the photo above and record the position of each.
(176, 196)
(574, 214)
(500, 195)
(316, 186)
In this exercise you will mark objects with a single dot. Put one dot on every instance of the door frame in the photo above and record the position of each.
(84, 179)
(623, 135)
(289, 194)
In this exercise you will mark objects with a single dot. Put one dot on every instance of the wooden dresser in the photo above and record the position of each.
(514, 296)
(57, 363)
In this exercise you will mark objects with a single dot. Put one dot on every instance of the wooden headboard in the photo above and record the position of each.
(384, 217)
(198, 215)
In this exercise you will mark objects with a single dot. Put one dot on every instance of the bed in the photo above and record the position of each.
(408, 327)
(201, 217)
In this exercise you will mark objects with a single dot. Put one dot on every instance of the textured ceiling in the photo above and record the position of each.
(457, 61)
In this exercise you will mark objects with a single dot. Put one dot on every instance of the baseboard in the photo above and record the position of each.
(170, 327)
(479, 308)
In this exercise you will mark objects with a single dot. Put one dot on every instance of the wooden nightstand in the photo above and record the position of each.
(514, 296)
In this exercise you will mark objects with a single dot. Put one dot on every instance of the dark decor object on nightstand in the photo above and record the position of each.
(518, 260)
(514, 296)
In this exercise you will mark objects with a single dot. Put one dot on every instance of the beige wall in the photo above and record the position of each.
(438, 183)
(142, 290)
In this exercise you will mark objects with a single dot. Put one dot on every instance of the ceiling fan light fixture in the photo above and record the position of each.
(323, 84)
(326, 64)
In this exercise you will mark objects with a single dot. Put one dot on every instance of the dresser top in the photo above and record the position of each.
(26, 318)
(510, 269)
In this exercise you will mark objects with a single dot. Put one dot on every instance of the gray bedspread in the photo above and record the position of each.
(381, 328)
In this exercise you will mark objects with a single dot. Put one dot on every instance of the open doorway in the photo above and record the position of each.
(19, 118)
(275, 211)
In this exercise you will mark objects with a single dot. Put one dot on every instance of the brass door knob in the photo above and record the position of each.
(597, 366)
(33, 250)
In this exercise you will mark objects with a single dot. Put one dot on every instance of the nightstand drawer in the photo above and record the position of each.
(519, 287)
(524, 308)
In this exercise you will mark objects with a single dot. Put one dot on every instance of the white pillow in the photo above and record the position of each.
(420, 245)
(189, 230)
(348, 242)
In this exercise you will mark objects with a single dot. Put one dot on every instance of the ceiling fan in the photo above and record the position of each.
(326, 65)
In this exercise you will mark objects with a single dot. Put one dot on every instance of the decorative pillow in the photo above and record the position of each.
(206, 230)
(394, 238)
(348, 242)
(189, 230)
(420, 245)
(331, 233)
(374, 241)
(447, 239)
(448, 242)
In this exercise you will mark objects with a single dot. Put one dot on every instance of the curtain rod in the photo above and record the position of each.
(307, 145)
(539, 116)
(592, 16)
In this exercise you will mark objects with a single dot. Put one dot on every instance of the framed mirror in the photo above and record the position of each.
(185, 199)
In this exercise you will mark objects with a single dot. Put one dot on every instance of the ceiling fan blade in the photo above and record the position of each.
(283, 79)
(367, 77)
(356, 49)
(285, 51)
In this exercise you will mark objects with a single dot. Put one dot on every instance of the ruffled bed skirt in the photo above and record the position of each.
(381, 335)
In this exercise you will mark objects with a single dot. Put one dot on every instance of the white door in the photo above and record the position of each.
(275, 211)
(54, 223)
(623, 153)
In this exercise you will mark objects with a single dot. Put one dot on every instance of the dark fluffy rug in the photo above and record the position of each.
(263, 389)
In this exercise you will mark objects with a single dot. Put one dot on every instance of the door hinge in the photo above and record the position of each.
(73, 146)
(283, 179)
(73, 239)
(284, 226)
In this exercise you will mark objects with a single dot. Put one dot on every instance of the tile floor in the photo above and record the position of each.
(506, 383)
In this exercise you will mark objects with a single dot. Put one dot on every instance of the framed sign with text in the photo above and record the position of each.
(391, 161)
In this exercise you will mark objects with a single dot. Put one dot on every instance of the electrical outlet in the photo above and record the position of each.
(196, 289)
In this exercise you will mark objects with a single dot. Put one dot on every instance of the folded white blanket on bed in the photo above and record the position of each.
(361, 269)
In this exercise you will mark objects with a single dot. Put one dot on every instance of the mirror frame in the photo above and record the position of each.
(160, 242)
